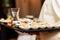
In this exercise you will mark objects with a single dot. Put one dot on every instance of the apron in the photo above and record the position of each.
(50, 11)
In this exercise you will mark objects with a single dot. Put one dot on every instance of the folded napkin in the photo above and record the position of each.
(26, 37)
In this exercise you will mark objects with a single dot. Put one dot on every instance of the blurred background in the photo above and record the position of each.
(27, 7)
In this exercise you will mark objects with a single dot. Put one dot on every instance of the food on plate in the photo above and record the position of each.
(24, 24)
(9, 23)
(27, 23)
(9, 17)
(46, 24)
(34, 24)
(39, 24)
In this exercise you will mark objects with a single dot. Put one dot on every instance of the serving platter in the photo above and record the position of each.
(16, 25)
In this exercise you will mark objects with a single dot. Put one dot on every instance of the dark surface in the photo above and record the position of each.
(7, 33)
(0, 32)
(5, 8)
(45, 29)
(1, 10)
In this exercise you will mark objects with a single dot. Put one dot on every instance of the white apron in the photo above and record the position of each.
(50, 12)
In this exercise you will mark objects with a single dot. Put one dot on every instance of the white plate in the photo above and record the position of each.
(5, 21)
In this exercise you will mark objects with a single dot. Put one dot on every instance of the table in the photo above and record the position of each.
(7, 33)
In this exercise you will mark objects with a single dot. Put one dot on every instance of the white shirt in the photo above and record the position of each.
(50, 11)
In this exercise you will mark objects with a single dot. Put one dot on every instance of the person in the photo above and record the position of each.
(50, 13)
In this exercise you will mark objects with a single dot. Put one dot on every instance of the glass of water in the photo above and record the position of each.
(15, 13)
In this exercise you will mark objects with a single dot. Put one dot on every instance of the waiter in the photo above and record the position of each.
(50, 13)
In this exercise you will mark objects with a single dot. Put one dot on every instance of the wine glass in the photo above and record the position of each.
(15, 13)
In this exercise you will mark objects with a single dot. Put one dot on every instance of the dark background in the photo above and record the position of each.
(4, 8)
(6, 33)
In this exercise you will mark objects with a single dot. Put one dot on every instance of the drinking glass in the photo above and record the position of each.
(15, 13)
